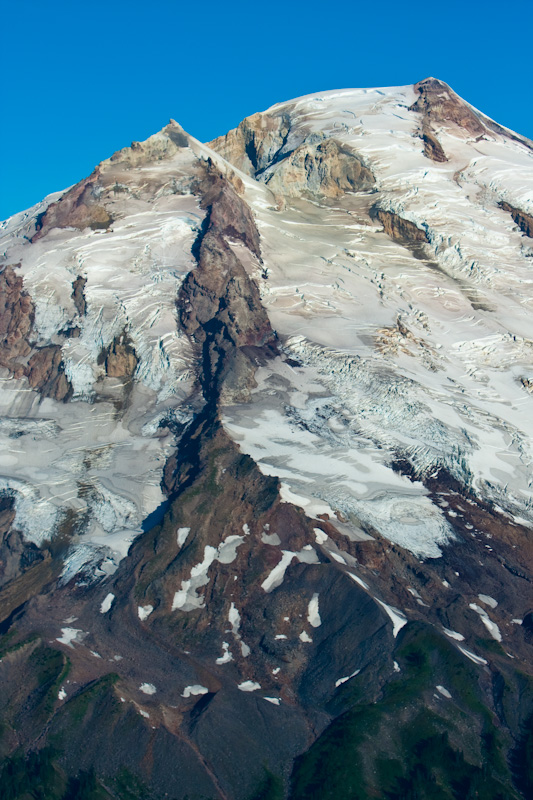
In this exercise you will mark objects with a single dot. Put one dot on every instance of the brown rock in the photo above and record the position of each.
(432, 146)
(120, 358)
(16, 319)
(398, 228)
(78, 208)
(523, 220)
(78, 295)
(255, 143)
(46, 373)
(328, 169)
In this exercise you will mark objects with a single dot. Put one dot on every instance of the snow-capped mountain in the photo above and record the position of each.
(266, 474)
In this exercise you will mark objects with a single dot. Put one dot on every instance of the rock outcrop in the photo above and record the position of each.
(523, 220)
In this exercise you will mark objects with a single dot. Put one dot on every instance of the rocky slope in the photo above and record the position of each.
(265, 499)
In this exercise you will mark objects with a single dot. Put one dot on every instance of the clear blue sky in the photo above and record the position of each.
(82, 79)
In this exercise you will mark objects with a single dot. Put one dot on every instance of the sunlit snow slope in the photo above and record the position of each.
(411, 346)
(396, 270)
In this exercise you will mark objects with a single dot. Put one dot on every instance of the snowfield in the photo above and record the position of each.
(387, 354)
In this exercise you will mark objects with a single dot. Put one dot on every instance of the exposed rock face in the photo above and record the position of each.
(16, 319)
(46, 373)
(398, 228)
(439, 104)
(328, 169)
(78, 208)
(255, 144)
(119, 358)
(16, 555)
(44, 369)
(524, 221)
(78, 295)
(432, 146)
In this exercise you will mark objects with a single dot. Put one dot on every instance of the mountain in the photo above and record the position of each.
(265, 501)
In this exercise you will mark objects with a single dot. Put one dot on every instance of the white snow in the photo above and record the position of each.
(444, 692)
(444, 386)
(107, 602)
(270, 538)
(249, 686)
(274, 700)
(472, 656)
(313, 615)
(62, 694)
(321, 537)
(398, 619)
(195, 689)
(340, 681)
(144, 612)
(70, 635)
(182, 536)
(226, 656)
(147, 688)
(454, 635)
(304, 637)
(275, 577)
(487, 622)
(187, 598)
(359, 581)
(488, 600)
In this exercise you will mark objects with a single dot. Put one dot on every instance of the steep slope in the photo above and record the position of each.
(266, 485)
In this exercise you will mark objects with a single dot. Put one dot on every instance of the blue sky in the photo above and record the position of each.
(80, 80)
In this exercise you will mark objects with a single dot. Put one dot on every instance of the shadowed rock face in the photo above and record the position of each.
(46, 373)
(524, 221)
(255, 143)
(432, 147)
(44, 368)
(402, 230)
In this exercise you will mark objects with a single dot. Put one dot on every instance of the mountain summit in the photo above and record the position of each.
(266, 498)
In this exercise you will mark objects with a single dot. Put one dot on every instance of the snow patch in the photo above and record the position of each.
(488, 600)
(249, 686)
(487, 622)
(313, 615)
(340, 681)
(398, 619)
(147, 688)
(144, 612)
(107, 602)
(70, 635)
(182, 536)
(226, 656)
(454, 635)
(195, 689)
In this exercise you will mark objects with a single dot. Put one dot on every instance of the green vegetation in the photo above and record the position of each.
(399, 749)
(270, 788)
